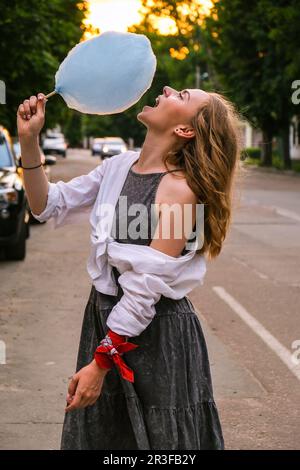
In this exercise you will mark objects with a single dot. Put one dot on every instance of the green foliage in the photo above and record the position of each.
(170, 70)
(35, 36)
(251, 152)
(277, 163)
(73, 128)
(254, 49)
(249, 49)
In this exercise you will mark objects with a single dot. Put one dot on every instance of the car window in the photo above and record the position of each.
(5, 156)
(114, 143)
(55, 140)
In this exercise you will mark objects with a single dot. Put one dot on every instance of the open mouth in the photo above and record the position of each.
(152, 107)
(156, 102)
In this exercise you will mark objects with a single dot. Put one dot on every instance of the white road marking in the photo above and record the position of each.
(281, 351)
(286, 213)
(243, 263)
(279, 210)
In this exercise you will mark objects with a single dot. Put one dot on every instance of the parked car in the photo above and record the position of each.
(97, 146)
(113, 146)
(55, 144)
(47, 161)
(14, 209)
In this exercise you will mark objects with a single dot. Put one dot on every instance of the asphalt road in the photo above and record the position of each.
(248, 308)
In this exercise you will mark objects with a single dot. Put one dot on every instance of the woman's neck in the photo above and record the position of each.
(154, 149)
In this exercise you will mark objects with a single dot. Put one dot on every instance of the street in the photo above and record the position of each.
(248, 308)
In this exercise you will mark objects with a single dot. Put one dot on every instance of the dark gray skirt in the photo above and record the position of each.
(170, 406)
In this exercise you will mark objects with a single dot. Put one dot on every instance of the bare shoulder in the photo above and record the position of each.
(173, 188)
(171, 192)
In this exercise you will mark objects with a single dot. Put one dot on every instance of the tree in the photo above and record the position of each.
(285, 20)
(251, 49)
(178, 52)
(35, 36)
(73, 128)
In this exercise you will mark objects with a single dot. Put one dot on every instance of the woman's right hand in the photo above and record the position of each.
(31, 116)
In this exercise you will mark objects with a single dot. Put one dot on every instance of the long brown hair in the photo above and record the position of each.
(210, 162)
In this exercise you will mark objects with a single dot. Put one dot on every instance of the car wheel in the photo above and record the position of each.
(17, 251)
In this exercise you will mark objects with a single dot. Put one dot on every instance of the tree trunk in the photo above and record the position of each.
(285, 133)
(266, 157)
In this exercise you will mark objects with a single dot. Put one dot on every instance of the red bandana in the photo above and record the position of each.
(110, 351)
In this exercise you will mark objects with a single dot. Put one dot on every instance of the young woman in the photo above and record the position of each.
(190, 155)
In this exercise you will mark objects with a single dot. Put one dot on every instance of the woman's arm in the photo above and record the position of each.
(30, 121)
(58, 200)
(64, 199)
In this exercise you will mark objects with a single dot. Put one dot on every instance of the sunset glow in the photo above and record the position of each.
(113, 15)
(118, 15)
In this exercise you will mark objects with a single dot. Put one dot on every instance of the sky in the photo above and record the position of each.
(117, 15)
(114, 14)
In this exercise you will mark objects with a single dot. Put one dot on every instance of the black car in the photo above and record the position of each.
(14, 209)
(46, 160)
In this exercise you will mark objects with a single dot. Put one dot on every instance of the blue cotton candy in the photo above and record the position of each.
(106, 74)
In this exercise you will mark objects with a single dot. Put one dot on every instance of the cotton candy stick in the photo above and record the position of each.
(51, 94)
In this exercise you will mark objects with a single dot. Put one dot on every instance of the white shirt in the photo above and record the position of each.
(146, 273)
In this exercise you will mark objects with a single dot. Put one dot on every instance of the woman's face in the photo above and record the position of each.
(174, 108)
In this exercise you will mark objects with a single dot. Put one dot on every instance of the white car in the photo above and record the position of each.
(113, 146)
(55, 143)
(97, 146)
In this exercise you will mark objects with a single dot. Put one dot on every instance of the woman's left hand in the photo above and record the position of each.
(85, 386)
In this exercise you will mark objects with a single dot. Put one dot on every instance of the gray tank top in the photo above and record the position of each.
(135, 217)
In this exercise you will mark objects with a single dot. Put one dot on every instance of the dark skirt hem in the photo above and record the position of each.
(170, 406)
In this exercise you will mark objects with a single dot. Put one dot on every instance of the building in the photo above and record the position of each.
(252, 137)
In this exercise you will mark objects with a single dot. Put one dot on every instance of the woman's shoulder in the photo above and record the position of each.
(174, 188)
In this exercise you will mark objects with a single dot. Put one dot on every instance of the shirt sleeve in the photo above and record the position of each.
(172, 278)
(135, 310)
(67, 201)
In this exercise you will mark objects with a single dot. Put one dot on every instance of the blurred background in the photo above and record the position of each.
(250, 52)
(249, 307)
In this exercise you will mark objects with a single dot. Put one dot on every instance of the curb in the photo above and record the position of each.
(272, 170)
